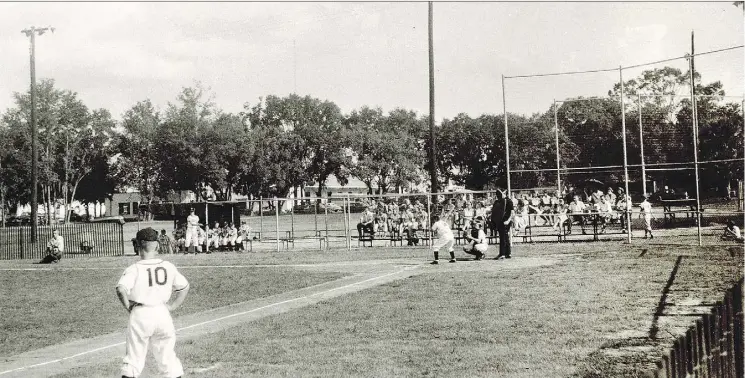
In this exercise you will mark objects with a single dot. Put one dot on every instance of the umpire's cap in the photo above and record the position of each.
(147, 234)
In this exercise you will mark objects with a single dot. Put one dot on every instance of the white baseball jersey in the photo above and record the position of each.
(57, 242)
(646, 208)
(151, 282)
(442, 230)
(192, 220)
(736, 231)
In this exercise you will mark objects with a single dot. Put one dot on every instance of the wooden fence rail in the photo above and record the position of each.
(711, 348)
(106, 239)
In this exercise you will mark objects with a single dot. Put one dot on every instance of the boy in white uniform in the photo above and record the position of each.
(445, 239)
(646, 211)
(144, 290)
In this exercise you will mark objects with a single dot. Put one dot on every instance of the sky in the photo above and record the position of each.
(360, 54)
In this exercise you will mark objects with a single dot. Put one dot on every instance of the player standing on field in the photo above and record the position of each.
(646, 211)
(144, 290)
(445, 239)
(192, 230)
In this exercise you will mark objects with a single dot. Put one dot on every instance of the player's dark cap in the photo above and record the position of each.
(147, 234)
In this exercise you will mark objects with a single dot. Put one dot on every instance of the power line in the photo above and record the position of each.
(627, 67)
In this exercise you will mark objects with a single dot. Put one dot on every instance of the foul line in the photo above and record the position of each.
(212, 320)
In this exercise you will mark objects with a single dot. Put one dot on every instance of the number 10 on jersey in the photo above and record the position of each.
(161, 276)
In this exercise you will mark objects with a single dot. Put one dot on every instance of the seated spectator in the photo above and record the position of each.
(366, 223)
(201, 238)
(623, 206)
(231, 237)
(605, 212)
(55, 249)
(576, 213)
(732, 232)
(610, 196)
(213, 237)
(561, 210)
(165, 246)
(179, 236)
(521, 216)
(535, 209)
(477, 244)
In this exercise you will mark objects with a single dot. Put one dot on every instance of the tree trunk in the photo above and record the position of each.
(2, 207)
(50, 217)
(72, 197)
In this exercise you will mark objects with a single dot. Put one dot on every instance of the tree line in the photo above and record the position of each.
(280, 144)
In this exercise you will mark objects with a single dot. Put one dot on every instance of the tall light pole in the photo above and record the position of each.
(31, 33)
(432, 149)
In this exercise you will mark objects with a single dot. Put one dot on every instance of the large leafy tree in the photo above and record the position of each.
(72, 140)
(136, 165)
(382, 153)
(178, 146)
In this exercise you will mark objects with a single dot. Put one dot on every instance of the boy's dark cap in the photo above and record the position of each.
(147, 234)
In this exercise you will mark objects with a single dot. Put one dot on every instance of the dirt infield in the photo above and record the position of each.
(364, 274)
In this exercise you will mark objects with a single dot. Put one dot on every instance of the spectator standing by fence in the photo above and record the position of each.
(502, 214)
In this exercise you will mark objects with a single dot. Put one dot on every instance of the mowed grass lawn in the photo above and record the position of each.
(471, 319)
(47, 307)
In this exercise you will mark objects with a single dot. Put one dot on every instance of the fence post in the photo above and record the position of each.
(738, 329)
(707, 345)
(326, 218)
(348, 221)
(292, 223)
(690, 350)
(728, 338)
(22, 242)
(715, 351)
(276, 220)
(261, 218)
(700, 369)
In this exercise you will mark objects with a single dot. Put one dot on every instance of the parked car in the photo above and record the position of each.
(332, 207)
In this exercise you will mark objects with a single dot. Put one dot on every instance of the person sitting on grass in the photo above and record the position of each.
(732, 232)
(55, 249)
(477, 244)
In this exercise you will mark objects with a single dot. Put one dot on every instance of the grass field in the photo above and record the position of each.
(555, 310)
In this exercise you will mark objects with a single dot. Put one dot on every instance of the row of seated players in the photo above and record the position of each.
(218, 238)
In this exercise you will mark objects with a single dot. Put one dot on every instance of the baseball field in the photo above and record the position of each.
(603, 309)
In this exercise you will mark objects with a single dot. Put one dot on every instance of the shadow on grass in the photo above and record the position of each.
(654, 329)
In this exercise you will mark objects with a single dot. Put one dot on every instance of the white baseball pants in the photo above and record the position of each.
(154, 326)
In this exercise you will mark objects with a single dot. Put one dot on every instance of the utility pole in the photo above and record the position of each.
(31, 33)
(433, 148)
(294, 65)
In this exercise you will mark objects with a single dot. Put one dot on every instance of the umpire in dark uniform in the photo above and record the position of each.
(502, 213)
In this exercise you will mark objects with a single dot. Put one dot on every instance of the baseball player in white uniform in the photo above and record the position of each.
(646, 212)
(445, 239)
(192, 230)
(144, 290)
